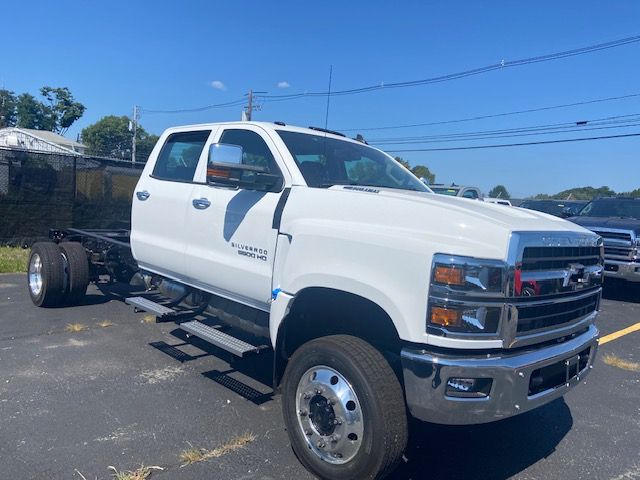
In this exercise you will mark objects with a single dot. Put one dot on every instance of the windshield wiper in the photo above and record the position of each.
(329, 185)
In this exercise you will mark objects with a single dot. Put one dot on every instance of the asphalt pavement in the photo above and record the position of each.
(73, 403)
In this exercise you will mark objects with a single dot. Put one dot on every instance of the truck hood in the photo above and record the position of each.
(632, 224)
(421, 221)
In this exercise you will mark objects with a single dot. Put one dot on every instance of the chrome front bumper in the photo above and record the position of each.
(426, 376)
(629, 271)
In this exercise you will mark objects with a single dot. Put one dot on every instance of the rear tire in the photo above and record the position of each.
(45, 274)
(344, 409)
(77, 271)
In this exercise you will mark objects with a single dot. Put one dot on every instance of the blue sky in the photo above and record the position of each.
(167, 55)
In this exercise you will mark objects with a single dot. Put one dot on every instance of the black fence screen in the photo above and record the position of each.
(39, 191)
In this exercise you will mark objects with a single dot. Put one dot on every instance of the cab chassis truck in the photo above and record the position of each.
(379, 299)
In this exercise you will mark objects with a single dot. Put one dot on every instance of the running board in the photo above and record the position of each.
(146, 305)
(220, 339)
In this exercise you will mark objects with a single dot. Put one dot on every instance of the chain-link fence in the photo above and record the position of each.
(39, 191)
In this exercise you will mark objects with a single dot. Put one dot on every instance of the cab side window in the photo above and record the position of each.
(179, 156)
(470, 194)
(255, 150)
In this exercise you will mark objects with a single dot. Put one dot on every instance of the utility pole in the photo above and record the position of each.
(250, 106)
(134, 129)
(246, 114)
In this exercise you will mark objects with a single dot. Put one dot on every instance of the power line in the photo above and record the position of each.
(467, 73)
(412, 83)
(548, 128)
(513, 135)
(483, 117)
(502, 145)
(233, 103)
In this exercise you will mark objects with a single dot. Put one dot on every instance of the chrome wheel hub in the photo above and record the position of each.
(329, 415)
(35, 275)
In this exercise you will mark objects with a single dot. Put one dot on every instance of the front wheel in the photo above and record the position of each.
(344, 409)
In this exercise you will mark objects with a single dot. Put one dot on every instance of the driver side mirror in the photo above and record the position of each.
(225, 167)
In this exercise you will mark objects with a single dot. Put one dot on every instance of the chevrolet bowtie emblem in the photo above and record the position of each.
(574, 275)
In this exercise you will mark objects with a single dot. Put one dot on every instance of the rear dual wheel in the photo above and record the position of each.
(58, 274)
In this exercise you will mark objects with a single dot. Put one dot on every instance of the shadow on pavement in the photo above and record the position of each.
(615, 289)
(496, 450)
(250, 377)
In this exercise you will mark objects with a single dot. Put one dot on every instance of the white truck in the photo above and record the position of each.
(375, 298)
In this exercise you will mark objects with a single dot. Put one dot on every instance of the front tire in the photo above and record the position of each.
(344, 409)
(45, 274)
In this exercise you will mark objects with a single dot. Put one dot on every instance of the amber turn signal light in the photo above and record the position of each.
(445, 317)
(214, 172)
(449, 275)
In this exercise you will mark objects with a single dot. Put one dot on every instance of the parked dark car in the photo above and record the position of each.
(559, 208)
(617, 221)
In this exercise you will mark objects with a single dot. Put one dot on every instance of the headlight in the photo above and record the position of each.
(465, 319)
(468, 274)
(466, 296)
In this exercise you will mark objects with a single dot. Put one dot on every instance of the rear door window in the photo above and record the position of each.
(179, 156)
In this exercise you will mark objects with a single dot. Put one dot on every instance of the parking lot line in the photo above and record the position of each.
(619, 333)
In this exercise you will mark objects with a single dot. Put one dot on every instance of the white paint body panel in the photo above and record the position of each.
(378, 245)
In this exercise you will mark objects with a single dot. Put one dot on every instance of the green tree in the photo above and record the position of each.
(500, 191)
(7, 108)
(144, 145)
(110, 137)
(32, 113)
(419, 171)
(62, 108)
(579, 193)
(633, 193)
(403, 162)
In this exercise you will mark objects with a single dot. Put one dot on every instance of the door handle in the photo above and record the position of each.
(143, 195)
(201, 203)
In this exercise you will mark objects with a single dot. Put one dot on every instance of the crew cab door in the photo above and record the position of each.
(232, 239)
(161, 201)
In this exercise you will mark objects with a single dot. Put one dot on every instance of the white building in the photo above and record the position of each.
(39, 141)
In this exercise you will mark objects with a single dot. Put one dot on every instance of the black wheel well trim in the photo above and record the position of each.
(282, 353)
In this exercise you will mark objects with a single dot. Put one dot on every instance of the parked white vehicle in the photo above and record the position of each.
(499, 201)
(454, 190)
(376, 297)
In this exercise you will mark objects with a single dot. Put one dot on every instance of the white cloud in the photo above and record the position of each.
(218, 85)
(283, 84)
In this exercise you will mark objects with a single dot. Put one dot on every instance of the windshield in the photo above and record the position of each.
(325, 162)
(445, 191)
(612, 208)
(551, 208)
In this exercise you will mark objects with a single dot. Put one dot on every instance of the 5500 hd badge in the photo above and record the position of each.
(250, 251)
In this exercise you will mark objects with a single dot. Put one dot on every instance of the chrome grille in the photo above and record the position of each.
(614, 235)
(557, 282)
(618, 244)
(538, 317)
(618, 252)
(549, 258)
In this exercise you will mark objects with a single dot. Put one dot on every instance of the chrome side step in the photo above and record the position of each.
(220, 339)
(146, 305)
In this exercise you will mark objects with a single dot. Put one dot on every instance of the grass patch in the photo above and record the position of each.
(141, 473)
(105, 324)
(76, 327)
(615, 361)
(194, 455)
(13, 259)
